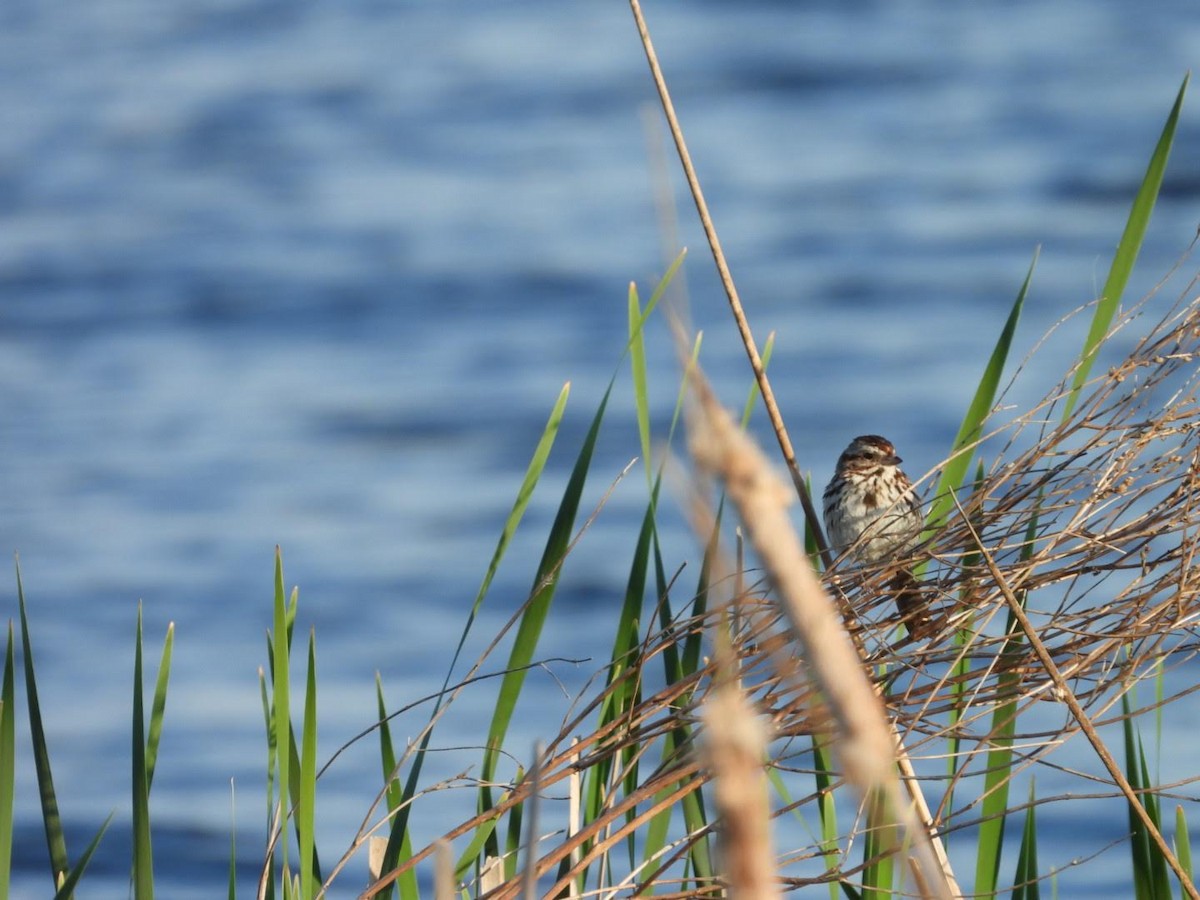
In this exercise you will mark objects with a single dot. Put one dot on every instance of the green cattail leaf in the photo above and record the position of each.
(1127, 251)
(8, 756)
(143, 856)
(971, 428)
(307, 801)
(1025, 880)
(52, 823)
(533, 619)
(71, 878)
(159, 706)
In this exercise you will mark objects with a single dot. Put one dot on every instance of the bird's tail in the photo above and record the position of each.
(911, 601)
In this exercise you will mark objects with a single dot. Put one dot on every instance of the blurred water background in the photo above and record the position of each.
(312, 274)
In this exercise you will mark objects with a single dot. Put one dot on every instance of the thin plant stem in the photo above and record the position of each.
(735, 303)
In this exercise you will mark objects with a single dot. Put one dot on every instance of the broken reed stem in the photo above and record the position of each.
(1085, 723)
(868, 744)
(735, 303)
(444, 887)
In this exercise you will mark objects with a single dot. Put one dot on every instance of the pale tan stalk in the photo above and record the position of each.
(444, 887)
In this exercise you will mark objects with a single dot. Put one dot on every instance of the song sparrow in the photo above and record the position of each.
(872, 516)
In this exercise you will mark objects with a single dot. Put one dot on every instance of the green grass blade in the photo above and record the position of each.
(306, 807)
(1151, 878)
(71, 878)
(755, 392)
(294, 788)
(474, 850)
(512, 836)
(1127, 250)
(398, 837)
(544, 586)
(1025, 880)
(998, 776)
(143, 855)
(8, 758)
(272, 753)
(637, 352)
(996, 783)
(659, 827)
(879, 872)
(280, 712)
(637, 364)
(628, 638)
(55, 841)
(231, 893)
(1139, 842)
(955, 472)
(695, 819)
(159, 706)
(625, 658)
(827, 808)
(1183, 841)
(407, 883)
(387, 750)
(533, 474)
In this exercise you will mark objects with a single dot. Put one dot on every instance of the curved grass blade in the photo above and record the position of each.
(955, 472)
(143, 855)
(231, 892)
(55, 841)
(879, 862)
(679, 666)
(307, 800)
(399, 838)
(8, 756)
(267, 876)
(159, 706)
(755, 391)
(636, 347)
(387, 751)
(1150, 875)
(1127, 250)
(530, 628)
(637, 365)
(823, 772)
(407, 882)
(281, 725)
(1027, 868)
(71, 878)
(625, 661)
(1183, 842)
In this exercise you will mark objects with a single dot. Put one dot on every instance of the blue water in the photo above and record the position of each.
(312, 274)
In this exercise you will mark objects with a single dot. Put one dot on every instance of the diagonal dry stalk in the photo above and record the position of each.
(731, 293)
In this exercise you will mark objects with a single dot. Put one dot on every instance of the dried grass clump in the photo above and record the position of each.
(1092, 520)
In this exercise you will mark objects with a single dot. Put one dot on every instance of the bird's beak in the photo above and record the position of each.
(894, 460)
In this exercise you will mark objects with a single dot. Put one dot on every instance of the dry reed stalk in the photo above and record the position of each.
(444, 887)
